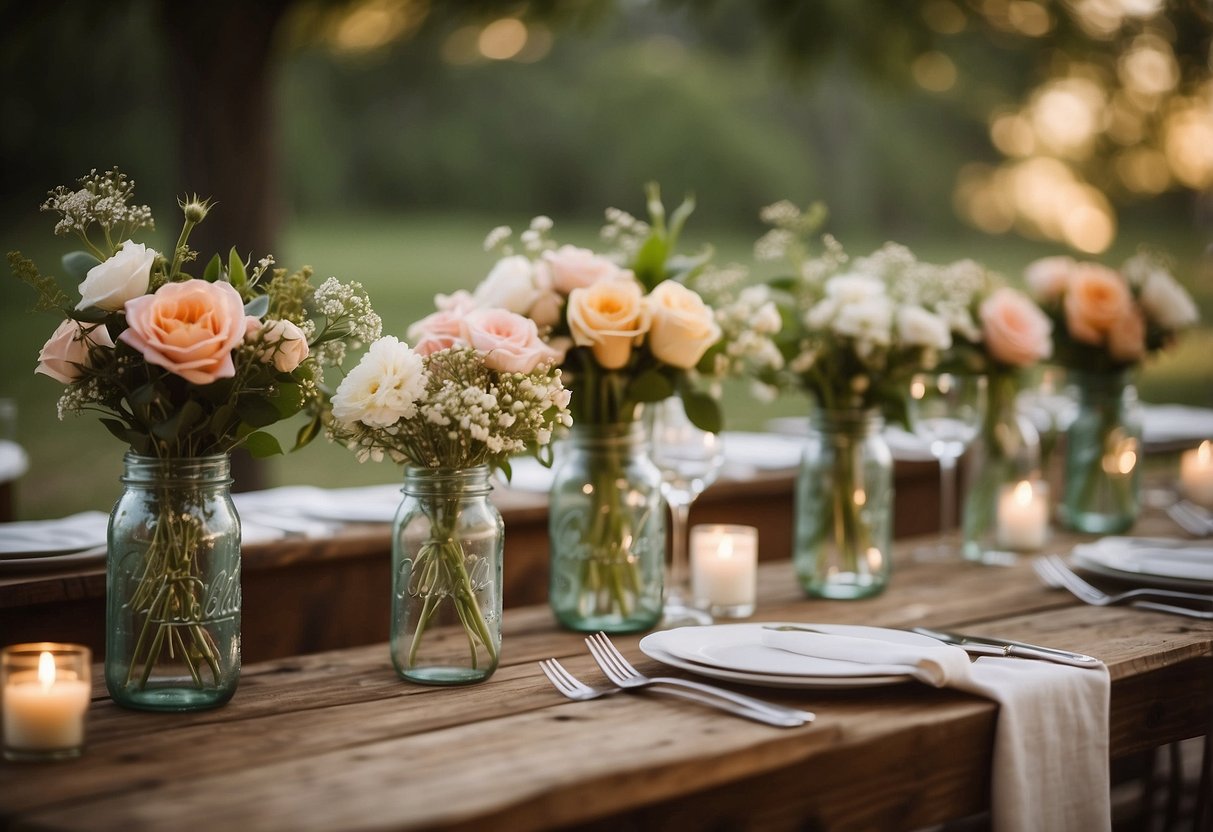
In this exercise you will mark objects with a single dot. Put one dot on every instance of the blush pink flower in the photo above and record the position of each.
(189, 328)
(1095, 300)
(1048, 276)
(578, 268)
(1127, 337)
(67, 351)
(437, 331)
(1016, 331)
(510, 342)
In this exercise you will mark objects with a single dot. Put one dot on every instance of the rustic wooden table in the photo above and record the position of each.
(335, 741)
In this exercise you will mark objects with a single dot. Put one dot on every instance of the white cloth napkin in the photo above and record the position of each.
(67, 534)
(1051, 744)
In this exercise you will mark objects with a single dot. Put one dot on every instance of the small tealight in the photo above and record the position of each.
(724, 569)
(1023, 516)
(44, 695)
(1196, 474)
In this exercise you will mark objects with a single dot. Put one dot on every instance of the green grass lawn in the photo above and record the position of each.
(403, 261)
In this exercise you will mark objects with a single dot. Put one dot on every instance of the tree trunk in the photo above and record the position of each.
(221, 55)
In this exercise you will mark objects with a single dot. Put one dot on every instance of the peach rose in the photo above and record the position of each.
(1016, 331)
(682, 327)
(283, 344)
(579, 268)
(1048, 276)
(1095, 301)
(609, 317)
(189, 328)
(67, 351)
(510, 342)
(1127, 337)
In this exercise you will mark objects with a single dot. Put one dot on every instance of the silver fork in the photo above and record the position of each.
(1053, 571)
(573, 688)
(622, 673)
(1191, 518)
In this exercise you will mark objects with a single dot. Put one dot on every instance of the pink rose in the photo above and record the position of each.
(1095, 301)
(1127, 337)
(67, 351)
(578, 268)
(283, 344)
(1047, 277)
(189, 328)
(437, 331)
(510, 342)
(1016, 331)
(458, 302)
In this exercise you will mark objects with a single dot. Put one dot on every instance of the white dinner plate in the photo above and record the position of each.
(735, 652)
(40, 539)
(1163, 562)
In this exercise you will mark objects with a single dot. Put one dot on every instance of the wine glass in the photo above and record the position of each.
(945, 413)
(689, 459)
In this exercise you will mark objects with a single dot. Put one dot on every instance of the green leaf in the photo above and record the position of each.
(650, 386)
(649, 263)
(77, 264)
(179, 423)
(258, 306)
(652, 196)
(257, 411)
(121, 430)
(703, 411)
(213, 269)
(289, 399)
(236, 275)
(506, 469)
(679, 218)
(262, 444)
(308, 432)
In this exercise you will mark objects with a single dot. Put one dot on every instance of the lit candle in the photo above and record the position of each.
(724, 569)
(1023, 516)
(1196, 474)
(44, 695)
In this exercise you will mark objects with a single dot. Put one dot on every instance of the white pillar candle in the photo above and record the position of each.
(724, 569)
(43, 709)
(1023, 516)
(1196, 474)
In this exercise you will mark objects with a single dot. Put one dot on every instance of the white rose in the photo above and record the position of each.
(916, 327)
(1048, 277)
(854, 288)
(1166, 302)
(510, 286)
(283, 344)
(869, 321)
(124, 276)
(67, 350)
(384, 388)
(682, 325)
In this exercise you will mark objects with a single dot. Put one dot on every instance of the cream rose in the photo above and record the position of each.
(510, 342)
(609, 317)
(1095, 300)
(67, 351)
(579, 268)
(1016, 331)
(510, 285)
(124, 276)
(917, 327)
(283, 344)
(189, 328)
(682, 326)
(1048, 276)
(1166, 302)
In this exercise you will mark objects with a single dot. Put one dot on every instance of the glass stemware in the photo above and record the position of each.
(689, 459)
(945, 413)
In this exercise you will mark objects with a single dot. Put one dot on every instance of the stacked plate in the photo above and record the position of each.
(1164, 562)
(70, 541)
(735, 653)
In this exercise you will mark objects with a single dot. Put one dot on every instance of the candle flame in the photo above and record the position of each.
(1205, 452)
(725, 552)
(46, 669)
(1023, 493)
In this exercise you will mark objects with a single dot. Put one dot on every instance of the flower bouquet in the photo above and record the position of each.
(1105, 323)
(478, 387)
(630, 331)
(182, 369)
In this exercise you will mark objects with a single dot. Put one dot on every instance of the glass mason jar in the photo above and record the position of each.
(173, 586)
(447, 542)
(606, 526)
(1007, 454)
(1103, 455)
(844, 506)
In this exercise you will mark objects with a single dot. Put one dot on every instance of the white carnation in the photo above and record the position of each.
(1166, 302)
(854, 288)
(916, 327)
(870, 321)
(383, 388)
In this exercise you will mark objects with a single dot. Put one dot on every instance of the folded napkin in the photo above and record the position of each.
(1051, 744)
(1175, 423)
(68, 534)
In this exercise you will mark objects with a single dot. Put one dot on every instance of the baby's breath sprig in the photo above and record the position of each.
(101, 199)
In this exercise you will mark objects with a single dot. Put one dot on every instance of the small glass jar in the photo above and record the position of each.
(1103, 455)
(1006, 454)
(844, 506)
(606, 526)
(447, 544)
(173, 586)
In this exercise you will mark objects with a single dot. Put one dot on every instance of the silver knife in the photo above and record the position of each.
(981, 646)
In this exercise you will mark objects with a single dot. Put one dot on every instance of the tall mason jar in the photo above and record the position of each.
(173, 586)
(1103, 455)
(844, 506)
(447, 543)
(606, 526)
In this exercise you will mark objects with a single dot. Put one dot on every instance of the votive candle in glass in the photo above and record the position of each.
(1196, 474)
(1023, 516)
(44, 694)
(724, 569)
